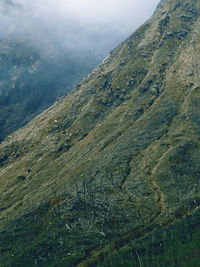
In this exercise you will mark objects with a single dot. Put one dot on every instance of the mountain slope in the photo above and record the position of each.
(114, 161)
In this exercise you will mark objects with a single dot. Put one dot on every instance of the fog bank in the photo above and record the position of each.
(74, 24)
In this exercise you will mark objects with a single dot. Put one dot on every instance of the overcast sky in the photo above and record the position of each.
(75, 21)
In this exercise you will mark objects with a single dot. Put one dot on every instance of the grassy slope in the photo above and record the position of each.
(114, 159)
(52, 240)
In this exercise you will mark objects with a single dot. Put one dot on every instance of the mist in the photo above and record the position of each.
(93, 25)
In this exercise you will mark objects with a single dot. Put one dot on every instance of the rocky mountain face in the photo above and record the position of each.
(31, 79)
(109, 175)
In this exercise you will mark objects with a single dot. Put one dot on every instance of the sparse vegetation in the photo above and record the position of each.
(67, 231)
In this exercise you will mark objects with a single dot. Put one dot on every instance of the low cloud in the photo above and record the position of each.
(74, 24)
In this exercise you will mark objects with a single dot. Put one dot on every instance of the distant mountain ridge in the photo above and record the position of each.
(109, 175)
(32, 79)
(42, 61)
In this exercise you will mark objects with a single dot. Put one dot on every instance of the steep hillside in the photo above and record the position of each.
(109, 175)
(31, 79)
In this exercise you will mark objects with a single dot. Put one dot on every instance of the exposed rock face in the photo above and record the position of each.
(122, 150)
